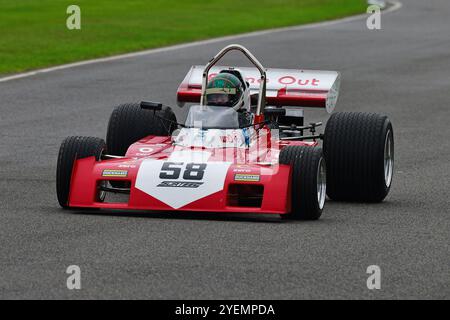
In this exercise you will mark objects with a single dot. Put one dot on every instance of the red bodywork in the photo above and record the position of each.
(268, 182)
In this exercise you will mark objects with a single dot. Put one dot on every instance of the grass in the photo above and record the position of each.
(33, 34)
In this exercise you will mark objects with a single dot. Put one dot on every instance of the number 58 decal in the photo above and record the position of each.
(179, 182)
(190, 171)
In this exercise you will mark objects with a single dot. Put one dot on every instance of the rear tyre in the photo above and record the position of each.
(129, 123)
(308, 181)
(359, 150)
(71, 149)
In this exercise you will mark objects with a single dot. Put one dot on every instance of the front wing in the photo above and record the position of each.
(154, 186)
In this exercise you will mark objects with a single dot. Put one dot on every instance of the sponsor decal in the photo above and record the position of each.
(242, 168)
(115, 173)
(283, 80)
(132, 166)
(179, 184)
(247, 177)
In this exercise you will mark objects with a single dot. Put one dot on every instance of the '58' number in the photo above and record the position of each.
(172, 170)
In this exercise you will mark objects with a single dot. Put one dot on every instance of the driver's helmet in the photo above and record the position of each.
(225, 90)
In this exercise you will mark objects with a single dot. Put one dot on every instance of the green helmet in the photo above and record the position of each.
(225, 90)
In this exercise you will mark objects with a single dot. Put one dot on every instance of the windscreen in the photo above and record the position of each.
(212, 117)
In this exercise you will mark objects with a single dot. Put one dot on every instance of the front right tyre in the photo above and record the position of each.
(72, 149)
(309, 182)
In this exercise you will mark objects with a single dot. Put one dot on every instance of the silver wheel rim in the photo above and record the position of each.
(321, 183)
(388, 159)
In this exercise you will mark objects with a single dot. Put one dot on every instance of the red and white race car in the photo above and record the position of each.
(270, 163)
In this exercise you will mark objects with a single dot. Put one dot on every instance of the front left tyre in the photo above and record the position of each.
(359, 150)
(72, 149)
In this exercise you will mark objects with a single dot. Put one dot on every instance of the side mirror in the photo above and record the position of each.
(148, 105)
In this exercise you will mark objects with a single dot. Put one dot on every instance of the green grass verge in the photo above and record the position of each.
(34, 33)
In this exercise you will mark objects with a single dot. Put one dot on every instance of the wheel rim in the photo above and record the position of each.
(388, 159)
(321, 183)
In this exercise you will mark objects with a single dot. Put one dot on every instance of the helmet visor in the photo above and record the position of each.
(218, 99)
(220, 96)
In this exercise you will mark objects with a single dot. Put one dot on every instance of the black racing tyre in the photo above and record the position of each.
(308, 181)
(359, 151)
(129, 123)
(71, 149)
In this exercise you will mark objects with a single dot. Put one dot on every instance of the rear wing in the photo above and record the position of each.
(284, 87)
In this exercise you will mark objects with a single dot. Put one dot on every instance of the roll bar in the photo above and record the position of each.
(236, 47)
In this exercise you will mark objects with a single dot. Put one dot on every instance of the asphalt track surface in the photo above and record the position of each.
(402, 70)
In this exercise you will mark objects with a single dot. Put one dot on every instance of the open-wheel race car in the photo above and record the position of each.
(244, 147)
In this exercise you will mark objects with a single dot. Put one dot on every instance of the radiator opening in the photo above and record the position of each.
(245, 195)
(109, 191)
